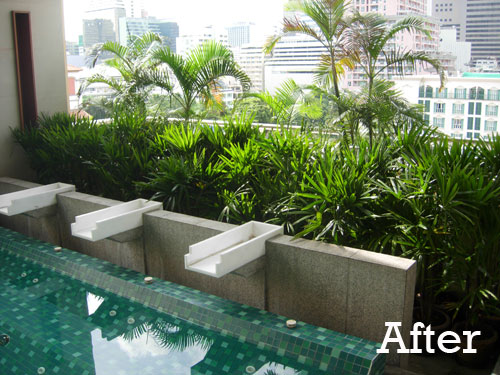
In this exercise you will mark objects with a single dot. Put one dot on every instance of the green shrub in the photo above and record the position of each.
(415, 194)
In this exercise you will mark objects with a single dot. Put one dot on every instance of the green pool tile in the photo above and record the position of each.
(316, 347)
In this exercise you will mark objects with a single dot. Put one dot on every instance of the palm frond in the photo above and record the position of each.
(99, 78)
(297, 26)
(399, 58)
(176, 64)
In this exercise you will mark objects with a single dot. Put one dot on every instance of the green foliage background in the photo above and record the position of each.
(414, 193)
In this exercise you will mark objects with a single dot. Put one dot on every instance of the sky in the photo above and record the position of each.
(190, 14)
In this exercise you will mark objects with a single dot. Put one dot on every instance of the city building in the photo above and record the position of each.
(98, 31)
(135, 8)
(486, 65)
(102, 11)
(33, 82)
(294, 57)
(482, 28)
(451, 14)
(74, 48)
(187, 42)
(229, 90)
(251, 59)
(297, 56)
(139, 26)
(134, 26)
(448, 42)
(73, 72)
(391, 7)
(476, 21)
(95, 90)
(394, 11)
(238, 34)
(466, 108)
(169, 31)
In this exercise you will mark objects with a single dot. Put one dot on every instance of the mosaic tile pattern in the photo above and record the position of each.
(309, 346)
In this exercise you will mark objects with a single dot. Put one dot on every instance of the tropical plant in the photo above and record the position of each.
(186, 180)
(197, 74)
(367, 39)
(126, 153)
(56, 148)
(255, 106)
(414, 193)
(291, 103)
(135, 66)
(381, 111)
(335, 202)
(102, 159)
(329, 27)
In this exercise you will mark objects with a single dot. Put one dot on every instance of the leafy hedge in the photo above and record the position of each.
(416, 194)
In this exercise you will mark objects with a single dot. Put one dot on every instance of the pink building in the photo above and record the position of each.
(392, 7)
(395, 10)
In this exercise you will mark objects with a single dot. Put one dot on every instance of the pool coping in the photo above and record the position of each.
(310, 345)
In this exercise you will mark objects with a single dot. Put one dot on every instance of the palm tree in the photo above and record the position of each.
(197, 74)
(136, 68)
(368, 37)
(383, 108)
(328, 17)
(290, 103)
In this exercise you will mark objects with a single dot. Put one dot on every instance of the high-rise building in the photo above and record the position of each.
(187, 42)
(392, 7)
(169, 31)
(239, 34)
(111, 10)
(482, 28)
(134, 8)
(97, 31)
(462, 50)
(396, 10)
(297, 56)
(128, 27)
(294, 57)
(73, 48)
(251, 59)
(476, 21)
(451, 14)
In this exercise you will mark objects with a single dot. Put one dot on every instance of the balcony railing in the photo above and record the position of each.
(460, 97)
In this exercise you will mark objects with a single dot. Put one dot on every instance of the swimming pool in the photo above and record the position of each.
(67, 313)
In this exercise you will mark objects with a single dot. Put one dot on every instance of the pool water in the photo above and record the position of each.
(59, 325)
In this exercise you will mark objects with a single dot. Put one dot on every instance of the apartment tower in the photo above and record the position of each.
(476, 21)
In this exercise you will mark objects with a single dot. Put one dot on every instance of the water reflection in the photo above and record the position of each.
(76, 329)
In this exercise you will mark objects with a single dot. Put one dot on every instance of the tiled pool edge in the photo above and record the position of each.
(315, 346)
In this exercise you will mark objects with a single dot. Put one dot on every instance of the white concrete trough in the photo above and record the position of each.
(228, 251)
(31, 199)
(110, 221)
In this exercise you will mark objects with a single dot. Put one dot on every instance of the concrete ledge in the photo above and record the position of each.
(348, 290)
(41, 223)
(340, 288)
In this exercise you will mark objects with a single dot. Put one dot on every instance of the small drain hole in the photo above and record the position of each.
(4, 339)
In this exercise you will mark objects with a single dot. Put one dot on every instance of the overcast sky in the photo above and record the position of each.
(190, 14)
